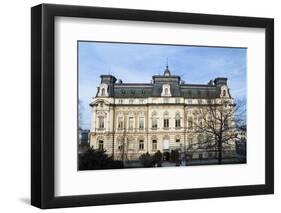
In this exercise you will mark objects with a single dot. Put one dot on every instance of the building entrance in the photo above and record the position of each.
(166, 156)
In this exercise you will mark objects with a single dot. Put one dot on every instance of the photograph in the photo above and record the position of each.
(160, 105)
(171, 105)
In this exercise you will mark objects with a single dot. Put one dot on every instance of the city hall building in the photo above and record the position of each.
(129, 119)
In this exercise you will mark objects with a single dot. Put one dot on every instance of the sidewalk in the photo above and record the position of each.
(195, 162)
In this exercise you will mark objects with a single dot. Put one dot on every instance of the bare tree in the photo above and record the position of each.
(219, 120)
(80, 117)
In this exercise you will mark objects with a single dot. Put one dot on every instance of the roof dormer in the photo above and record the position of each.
(166, 90)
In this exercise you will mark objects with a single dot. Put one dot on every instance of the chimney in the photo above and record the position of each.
(108, 79)
(220, 81)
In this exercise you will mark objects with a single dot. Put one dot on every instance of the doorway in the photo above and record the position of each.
(166, 156)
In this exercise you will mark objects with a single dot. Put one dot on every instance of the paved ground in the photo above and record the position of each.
(137, 164)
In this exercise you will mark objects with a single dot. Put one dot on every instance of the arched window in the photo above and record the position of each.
(100, 144)
(177, 121)
(102, 91)
(224, 93)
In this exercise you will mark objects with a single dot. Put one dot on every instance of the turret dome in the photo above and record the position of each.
(167, 72)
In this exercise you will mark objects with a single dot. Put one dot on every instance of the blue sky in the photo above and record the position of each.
(138, 62)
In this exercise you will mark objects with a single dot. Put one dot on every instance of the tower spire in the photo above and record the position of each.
(167, 71)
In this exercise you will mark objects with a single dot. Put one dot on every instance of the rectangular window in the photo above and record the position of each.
(131, 145)
(209, 122)
(226, 124)
(190, 124)
(100, 145)
(154, 144)
(200, 124)
(131, 123)
(154, 123)
(120, 123)
(120, 146)
(141, 145)
(131, 101)
(101, 122)
(189, 142)
(178, 140)
(120, 101)
(141, 122)
(178, 123)
(166, 123)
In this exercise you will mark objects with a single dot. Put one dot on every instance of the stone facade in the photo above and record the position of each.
(130, 119)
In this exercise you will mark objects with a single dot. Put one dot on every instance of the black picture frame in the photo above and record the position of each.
(43, 102)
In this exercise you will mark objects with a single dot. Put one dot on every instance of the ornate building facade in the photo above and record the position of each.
(130, 119)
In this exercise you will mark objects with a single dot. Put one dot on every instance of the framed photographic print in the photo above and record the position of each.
(139, 106)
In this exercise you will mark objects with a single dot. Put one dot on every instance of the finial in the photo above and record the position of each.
(167, 71)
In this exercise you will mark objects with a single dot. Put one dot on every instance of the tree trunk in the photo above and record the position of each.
(220, 152)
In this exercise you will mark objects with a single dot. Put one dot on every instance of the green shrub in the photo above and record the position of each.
(157, 158)
(97, 159)
(146, 160)
(175, 155)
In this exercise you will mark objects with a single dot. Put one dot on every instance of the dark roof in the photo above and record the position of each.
(132, 90)
(199, 91)
(154, 89)
(167, 72)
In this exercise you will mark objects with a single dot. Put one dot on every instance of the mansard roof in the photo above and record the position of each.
(154, 89)
(132, 90)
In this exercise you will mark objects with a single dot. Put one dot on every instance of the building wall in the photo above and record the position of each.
(115, 138)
